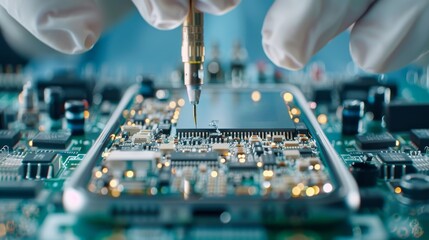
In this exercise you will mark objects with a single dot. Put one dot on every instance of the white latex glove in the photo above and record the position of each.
(74, 26)
(386, 35)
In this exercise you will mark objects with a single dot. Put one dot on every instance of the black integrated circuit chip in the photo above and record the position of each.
(245, 166)
(20, 189)
(395, 158)
(395, 165)
(40, 165)
(306, 152)
(194, 157)
(420, 137)
(52, 140)
(373, 141)
(9, 138)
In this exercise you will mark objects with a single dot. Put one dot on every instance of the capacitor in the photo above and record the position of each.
(54, 99)
(353, 111)
(378, 98)
(28, 112)
(415, 186)
(74, 112)
(365, 173)
(3, 123)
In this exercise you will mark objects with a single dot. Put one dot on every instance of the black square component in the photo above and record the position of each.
(9, 138)
(395, 165)
(40, 165)
(375, 141)
(395, 158)
(51, 140)
(420, 137)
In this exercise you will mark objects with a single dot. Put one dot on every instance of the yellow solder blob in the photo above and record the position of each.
(288, 97)
(256, 96)
(129, 174)
(398, 190)
(322, 118)
(181, 102)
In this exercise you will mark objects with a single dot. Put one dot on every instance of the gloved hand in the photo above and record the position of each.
(386, 34)
(74, 26)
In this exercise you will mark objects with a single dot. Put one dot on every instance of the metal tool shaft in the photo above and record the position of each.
(193, 54)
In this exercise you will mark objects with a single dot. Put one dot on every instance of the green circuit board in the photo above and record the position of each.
(31, 194)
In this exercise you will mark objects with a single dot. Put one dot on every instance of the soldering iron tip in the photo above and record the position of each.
(195, 115)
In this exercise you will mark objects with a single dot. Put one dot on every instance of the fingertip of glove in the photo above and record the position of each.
(217, 7)
(281, 58)
(363, 58)
(163, 15)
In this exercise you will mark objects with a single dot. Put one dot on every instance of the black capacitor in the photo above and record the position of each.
(3, 124)
(415, 186)
(353, 111)
(147, 88)
(365, 173)
(378, 98)
(75, 115)
(54, 99)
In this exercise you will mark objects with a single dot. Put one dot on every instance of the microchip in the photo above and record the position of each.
(44, 157)
(165, 128)
(301, 128)
(141, 162)
(9, 138)
(291, 154)
(395, 158)
(194, 157)
(221, 148)
(395, 165)
(167, 147)
(375, 141)
(420, 137)
(51, 140)
(269, 159)
(20, 189)
(306, 152)
(40, 165)
(246, 166)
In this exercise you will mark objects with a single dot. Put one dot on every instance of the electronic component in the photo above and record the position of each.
(378, 98)
(52, 140)
(40, 165)
(9, 138)
(221, 148)
(75, 116)
(415, 187)
(28, 112)
(140, 162)
(165, 128)
(10, 168)
(20, 189)
(373, 141)
(353, 111)
(402, 116)
(131, 129)
(167, 148)
(259, 118)
(395, 165)
(184, 157)
(359, 88)
(420, 137)
(365, 173)
(73, 87)
(3, 122)
(54, 100)
(291, 154)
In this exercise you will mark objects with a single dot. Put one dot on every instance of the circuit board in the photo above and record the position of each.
(263, 162)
